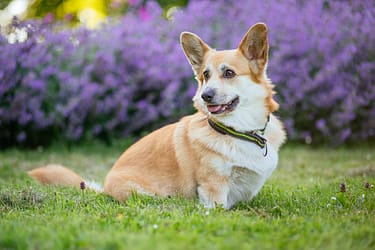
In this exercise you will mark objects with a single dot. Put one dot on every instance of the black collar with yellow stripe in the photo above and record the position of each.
(250, 136)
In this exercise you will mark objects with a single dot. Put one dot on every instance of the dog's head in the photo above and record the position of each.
(233, 85)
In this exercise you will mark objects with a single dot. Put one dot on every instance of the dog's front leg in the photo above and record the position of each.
(214, 195)
(213, 182)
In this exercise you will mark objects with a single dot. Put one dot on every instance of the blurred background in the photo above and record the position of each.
(88, 12)
(103, 69)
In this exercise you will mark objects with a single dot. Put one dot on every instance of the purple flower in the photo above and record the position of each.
(342, 187)
(82, 185)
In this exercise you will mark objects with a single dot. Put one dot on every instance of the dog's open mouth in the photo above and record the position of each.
(221, 108)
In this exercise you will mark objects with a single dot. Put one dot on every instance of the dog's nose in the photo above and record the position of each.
(208, 95)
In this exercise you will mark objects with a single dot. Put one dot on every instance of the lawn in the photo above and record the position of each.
(302, 206)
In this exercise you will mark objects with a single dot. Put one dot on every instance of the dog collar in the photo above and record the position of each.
(250, 136)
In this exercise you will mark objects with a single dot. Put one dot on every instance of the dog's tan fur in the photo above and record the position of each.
(56, 175)
(189, 157)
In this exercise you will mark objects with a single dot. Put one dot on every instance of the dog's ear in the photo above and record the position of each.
(194, 49)
(254, 46)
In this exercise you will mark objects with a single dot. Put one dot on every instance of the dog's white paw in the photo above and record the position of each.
(210, 201)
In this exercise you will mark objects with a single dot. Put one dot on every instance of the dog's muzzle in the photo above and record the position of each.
(208, 95)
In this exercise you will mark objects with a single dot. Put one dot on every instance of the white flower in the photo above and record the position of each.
(18, 35)
(21, 35)
(12, 38)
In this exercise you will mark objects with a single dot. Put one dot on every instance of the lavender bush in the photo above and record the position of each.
(131, 74)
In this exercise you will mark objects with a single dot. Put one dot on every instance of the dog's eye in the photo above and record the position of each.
(206, 75)
(228, 73)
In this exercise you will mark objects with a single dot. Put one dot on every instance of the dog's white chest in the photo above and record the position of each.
(244, 154)
(247, 166)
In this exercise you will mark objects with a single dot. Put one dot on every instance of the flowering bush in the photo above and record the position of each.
(131, 75)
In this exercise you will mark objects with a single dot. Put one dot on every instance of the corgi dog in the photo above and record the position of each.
(224, 152)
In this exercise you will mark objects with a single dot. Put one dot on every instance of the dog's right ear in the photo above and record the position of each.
(194, 49)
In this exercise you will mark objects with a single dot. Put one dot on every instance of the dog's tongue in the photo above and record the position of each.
(213, 108)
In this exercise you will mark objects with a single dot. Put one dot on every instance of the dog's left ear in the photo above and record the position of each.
(254, 46)
(194, 49)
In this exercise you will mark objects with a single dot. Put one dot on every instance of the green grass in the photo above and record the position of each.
(300, 207)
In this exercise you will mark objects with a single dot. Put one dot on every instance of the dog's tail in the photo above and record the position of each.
(62, 176)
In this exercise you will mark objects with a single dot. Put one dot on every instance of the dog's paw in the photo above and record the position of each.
(210, 201)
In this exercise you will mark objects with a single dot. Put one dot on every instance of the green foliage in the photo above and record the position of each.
(40, 8)
(300, 207)
(4, 3)
(166, 4)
